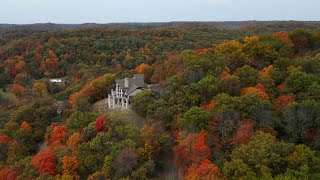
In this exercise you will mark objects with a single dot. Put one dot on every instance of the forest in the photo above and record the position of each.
(234, 100)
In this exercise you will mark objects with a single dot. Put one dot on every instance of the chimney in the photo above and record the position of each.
(126, 82)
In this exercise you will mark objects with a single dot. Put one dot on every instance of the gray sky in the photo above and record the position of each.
(106, 11)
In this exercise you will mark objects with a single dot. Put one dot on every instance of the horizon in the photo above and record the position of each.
(143, 11)
(160, 22)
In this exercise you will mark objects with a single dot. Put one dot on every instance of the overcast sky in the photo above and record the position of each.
(106, 11)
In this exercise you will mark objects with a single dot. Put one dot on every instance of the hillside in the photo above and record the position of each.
(234, 100)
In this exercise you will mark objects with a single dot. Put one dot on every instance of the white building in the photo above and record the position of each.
(55, 80)
(125, 89)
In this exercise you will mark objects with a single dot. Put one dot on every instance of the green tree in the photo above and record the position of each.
(263, 157)
(248, 76)
(206, 88)
(302, 40)
(299, 82)
(194, 119)
(143, 103)
(310, 64)
(78, 120)
(303, 164)
(91, 154)
(231, 85)
(260, 110)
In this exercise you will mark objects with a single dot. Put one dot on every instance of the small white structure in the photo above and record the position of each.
(55, 80)
(125, 89)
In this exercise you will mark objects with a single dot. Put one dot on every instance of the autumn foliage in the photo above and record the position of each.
(151, 147)
(283, 36)
(93, 91)
(282, 87)
(251, 38)
(18, 90)
(5, 139)
(208, 106)
(69, 166)
(141, 68)
(46, 162)
(244, 132)
(283, 101)
(100, 123)
(193, 150)
(265, 71)
(7, 174)
(14, 65)
(57, 136)
(258, 89)
(25, 126)
(74, 141)
(50, 66)
(40, 89)
(213, 95)
(206, 170)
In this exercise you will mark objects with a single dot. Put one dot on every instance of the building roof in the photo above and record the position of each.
(137, 82)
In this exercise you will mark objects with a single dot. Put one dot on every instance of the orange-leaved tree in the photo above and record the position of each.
(70, 165)
(192, 150)
(206, 170)
(25, 126)
(208, 106)
(283, 36)
(141, 68)
(18, 90)
(258, 89)
(74, 141)
(283, 101)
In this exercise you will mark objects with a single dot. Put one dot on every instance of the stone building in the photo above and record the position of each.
(125, 89)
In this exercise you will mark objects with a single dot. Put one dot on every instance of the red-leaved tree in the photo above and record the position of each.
(57, 136)
(7, 174)
(100, 123)
(192, 150)
(5, 139)
(46, 162)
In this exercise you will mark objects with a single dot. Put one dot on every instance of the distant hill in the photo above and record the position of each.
(245, 25)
